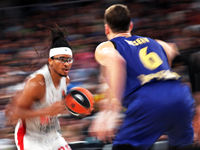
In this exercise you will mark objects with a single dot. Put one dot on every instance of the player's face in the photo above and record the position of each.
(61, 64)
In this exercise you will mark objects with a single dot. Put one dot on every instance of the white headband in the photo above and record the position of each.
(60, 50)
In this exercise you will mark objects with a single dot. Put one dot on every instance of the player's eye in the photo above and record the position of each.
(68, 60)
(64, 60)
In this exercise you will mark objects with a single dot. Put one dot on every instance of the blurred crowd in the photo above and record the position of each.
(23, 42)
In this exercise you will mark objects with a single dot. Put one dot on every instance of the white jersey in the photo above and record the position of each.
(46, 124)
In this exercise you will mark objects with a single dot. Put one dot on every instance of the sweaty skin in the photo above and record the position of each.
(34, 90)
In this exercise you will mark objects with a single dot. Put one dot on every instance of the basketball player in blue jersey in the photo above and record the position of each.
(137, 70)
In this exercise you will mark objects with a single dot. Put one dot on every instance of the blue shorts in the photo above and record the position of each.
(157, 108)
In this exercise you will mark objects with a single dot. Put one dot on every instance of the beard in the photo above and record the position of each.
(62, 75)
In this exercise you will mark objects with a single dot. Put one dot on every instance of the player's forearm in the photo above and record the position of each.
(118, 79)
(115, 105)
(29, 113)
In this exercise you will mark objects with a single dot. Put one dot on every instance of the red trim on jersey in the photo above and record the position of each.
(20, 136)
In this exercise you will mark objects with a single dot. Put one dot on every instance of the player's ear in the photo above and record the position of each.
(131, 26)
(50, 61)
(107, 29)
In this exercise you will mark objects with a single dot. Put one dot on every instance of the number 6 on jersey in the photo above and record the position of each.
(150, 61)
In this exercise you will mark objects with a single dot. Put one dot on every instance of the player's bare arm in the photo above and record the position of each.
(10, 108)
(34, 90)
(115, 64)
(170, 49)
(104, 124)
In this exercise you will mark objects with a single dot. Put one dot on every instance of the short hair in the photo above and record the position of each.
(118, 18)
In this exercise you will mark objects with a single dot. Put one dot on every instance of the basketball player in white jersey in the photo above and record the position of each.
(41, 100)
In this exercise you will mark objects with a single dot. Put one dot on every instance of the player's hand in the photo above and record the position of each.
(57, 108)
(11, 114)
(103, 127)
(97, 128)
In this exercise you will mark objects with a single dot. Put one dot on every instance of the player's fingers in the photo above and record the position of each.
(102, 138)
(60, 102)
(92, 132)
(63, 95)
(196, 143)
(102, 134)
(110, 135)
(93, 129)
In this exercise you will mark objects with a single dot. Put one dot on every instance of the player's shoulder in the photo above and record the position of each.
(161, 42)
(35, 84)
(105, 52)
(37, 79)
(171, 49)
(104, 45)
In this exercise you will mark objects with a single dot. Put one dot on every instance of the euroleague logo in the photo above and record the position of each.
(79, 101)
(73, 105)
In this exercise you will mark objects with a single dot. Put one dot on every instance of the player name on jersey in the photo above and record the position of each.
(138, 41)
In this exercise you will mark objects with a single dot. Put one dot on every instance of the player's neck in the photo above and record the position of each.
(125, 34)
(55, 77)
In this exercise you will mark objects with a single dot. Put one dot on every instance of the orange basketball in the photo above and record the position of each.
(79, 101)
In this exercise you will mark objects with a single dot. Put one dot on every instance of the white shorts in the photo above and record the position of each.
(50, 141)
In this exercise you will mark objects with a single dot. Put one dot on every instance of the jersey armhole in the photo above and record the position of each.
(114, 44)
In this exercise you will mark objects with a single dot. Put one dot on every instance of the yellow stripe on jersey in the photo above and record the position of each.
(161, 75)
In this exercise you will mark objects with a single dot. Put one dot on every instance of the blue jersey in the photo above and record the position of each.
(146, 62)
(156, 101)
